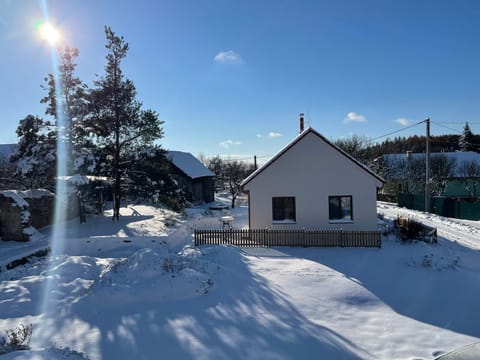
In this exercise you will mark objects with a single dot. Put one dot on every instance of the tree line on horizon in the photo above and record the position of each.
(365, 151)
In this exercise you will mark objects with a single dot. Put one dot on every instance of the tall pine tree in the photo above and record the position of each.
(66, 101)
(122, 128)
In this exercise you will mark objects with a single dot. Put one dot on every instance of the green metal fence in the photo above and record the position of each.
(460, 208)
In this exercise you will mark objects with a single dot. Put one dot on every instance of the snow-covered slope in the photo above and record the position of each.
(138, 289)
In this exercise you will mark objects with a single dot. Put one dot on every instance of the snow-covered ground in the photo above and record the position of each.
(466, 232)
(139, 289)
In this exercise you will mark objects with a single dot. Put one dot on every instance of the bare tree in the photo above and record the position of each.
(230, 174)
(217, 166)
(410, 171)
(470, 172)
(442, 169)
(356, 146)
(235, 172)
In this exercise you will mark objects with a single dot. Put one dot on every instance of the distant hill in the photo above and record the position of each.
(6, 150)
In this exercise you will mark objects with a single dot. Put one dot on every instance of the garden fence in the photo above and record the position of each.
(293, 238)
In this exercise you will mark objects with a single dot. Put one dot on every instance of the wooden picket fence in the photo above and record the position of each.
(293, 238)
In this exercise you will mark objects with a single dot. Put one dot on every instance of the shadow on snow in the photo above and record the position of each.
(250, 320)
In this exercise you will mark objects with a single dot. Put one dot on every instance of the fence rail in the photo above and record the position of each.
(293, 238)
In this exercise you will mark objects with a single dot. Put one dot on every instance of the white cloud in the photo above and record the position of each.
(236, 156)
(273, 134)
(228, 57)
(227, 143)
(354, 117)
(403, 121)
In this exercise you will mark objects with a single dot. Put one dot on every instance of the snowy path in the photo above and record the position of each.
(464, 232)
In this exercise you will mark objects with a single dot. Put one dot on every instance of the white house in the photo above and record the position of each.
(312, 184)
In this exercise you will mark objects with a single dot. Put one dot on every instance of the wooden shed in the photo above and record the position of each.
(194, 178)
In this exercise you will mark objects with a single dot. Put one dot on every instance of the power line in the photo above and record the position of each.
(397, 131)
(446, 127)
(247, 158)
(385, 135)
(458, 123)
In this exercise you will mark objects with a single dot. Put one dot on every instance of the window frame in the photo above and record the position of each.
(338, 220)
(285, 220)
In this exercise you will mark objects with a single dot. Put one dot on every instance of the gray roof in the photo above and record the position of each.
(189, 164)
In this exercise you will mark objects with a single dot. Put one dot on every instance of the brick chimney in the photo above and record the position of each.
(302, 123)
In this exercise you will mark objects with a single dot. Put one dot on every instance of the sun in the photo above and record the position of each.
(49, 33)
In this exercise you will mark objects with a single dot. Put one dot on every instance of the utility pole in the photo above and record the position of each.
(255, 162)
(427, 167)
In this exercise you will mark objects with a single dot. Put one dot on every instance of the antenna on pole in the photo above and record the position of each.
(427, 166)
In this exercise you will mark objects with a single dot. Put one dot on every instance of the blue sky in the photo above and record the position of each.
(231, 77)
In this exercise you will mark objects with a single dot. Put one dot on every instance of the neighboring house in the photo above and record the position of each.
(194, 178)
(405, 173)
(312, 184)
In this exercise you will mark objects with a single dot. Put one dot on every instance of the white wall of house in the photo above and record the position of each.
(311, 171)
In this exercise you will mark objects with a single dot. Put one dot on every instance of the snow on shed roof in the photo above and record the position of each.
(189, 164)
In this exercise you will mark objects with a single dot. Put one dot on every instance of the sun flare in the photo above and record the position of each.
(49, 33)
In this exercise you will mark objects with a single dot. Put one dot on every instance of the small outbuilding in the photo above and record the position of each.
(194, 178)
(312, 184)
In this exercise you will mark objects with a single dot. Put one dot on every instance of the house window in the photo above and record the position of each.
(340, 208)
(284, 209)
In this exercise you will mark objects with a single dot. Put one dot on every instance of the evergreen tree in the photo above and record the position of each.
(121, 127)
(150, 178)
(35, 156)
(66, 101)
(466, 139)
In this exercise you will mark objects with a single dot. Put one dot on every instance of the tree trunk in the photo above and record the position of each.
(117, 188)
(116, 210)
